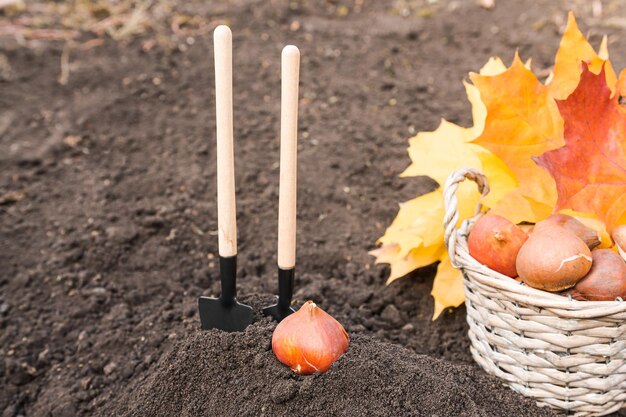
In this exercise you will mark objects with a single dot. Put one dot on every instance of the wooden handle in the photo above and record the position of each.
(288, 157)
(226, 208)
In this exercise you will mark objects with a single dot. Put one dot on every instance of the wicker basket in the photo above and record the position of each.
(566, 354)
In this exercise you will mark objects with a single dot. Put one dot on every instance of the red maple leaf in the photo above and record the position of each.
(590, 170)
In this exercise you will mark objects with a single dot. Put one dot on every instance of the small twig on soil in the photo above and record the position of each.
(196, 229)
(65, 65)
(105, 25)
(37, 34)
(92, 43)
(50, 34)
(202, 26)
(134, 24)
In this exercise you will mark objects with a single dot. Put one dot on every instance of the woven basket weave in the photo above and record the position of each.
(565, 354)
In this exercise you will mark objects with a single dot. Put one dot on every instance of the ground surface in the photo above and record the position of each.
(107, 183)
(372, 379)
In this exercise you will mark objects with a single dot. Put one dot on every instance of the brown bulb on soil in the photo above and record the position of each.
(553, 259)
(495, 241)
(605, 281)
(309, 340)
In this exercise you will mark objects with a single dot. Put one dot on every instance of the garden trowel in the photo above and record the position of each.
(288, 174)
(225, 313)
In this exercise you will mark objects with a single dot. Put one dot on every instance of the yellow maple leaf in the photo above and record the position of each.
(418, 223)
(401, 266)
(415, 238)
(573, 51)
(439, 153)
(447, 287)
(502, 181)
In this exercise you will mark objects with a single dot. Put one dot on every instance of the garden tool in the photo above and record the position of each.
(225, 312)
(290, 68)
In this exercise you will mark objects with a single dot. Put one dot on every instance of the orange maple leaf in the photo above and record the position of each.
(590, 170)
(522, 121)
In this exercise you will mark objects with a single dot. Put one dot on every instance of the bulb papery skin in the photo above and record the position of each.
(586, 234)
(310, 340)
(619, 237)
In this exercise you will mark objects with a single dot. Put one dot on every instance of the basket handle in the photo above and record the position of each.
(451, 204)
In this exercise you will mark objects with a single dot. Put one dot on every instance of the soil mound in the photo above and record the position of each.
(236, 374)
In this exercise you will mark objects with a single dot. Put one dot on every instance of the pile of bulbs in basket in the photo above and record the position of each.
(558, 254)
(545, 146)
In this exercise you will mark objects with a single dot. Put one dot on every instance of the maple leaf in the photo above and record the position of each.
(522, 121)
(574, 50)
(438, 153)
(447, 287)
(494, 66)
(590, 170)
(416, 224)
(402, 265)
(515, 118)
(415, 238)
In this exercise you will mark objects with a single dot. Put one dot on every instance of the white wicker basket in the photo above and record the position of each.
(566, 354)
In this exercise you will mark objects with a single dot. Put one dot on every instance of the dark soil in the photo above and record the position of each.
(238, 375)
(107, 238)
